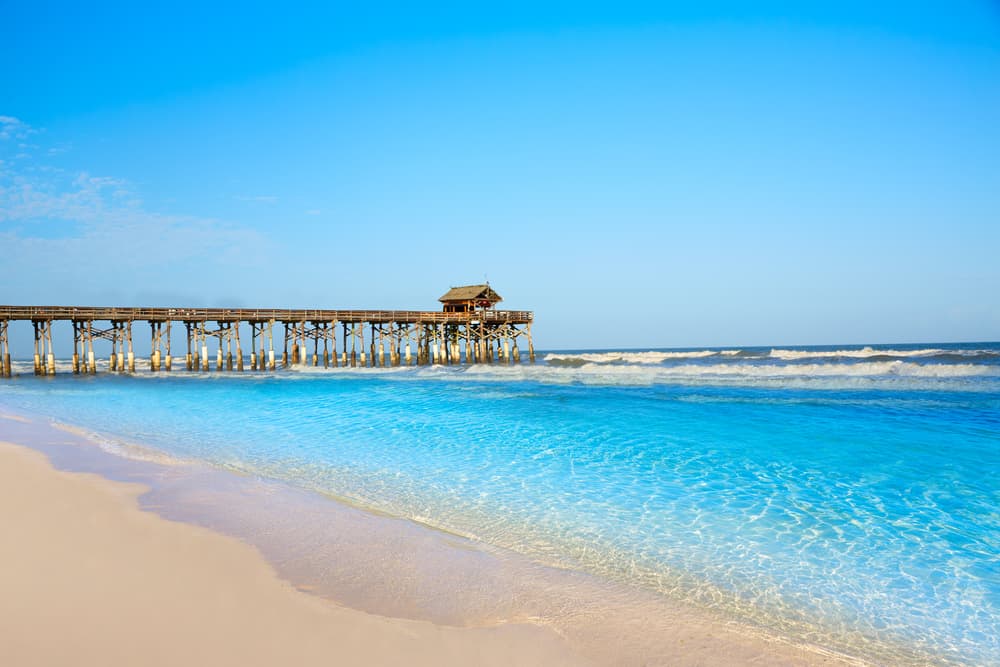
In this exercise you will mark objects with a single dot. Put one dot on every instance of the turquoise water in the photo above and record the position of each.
(845, 495)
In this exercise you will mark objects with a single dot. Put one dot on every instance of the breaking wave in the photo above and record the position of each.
(654, 357)
(863, 353)
(651, 357)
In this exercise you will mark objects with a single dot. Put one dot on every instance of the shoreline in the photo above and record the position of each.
(430, 570)
(90, 578)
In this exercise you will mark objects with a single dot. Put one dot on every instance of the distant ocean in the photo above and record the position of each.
(846, 494)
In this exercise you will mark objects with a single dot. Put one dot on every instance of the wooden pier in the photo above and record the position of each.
(470, 331)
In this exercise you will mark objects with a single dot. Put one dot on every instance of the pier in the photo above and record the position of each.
(468, 331)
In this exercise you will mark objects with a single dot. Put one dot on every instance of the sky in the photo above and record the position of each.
(638, 174)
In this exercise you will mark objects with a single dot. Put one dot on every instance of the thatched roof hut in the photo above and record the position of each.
(469, 297)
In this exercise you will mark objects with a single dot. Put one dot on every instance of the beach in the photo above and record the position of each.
(89, 579)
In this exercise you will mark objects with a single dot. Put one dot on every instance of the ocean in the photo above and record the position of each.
(848, 496)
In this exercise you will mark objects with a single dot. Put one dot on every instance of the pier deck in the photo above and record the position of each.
(395, 337)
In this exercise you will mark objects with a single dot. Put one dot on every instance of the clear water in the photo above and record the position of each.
(848, 496)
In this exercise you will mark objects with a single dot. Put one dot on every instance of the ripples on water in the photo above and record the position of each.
(845, 495)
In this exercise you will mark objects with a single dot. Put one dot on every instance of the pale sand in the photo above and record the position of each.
(86, 578)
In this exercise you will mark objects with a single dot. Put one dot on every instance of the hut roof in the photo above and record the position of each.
(470, 292)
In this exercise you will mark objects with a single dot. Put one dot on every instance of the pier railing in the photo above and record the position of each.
(83, 313)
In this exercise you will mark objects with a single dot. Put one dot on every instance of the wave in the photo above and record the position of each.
(863, 369)
(791, 355)
(894, 375)
(654, 357)
(651, 357)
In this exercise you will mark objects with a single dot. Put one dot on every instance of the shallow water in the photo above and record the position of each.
(843, 496)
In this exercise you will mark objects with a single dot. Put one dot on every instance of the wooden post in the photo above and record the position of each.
(229, 346)
(120, 330)
(284, 355)
(531, 346)
(83, 346)
(333, 341)
(262, 352)
(437, 349)
(364, 358)
(468, 343)
(76, 347)
(316, 330)
(371, 345)
(481, 343)
(5, 369)
(131, 355)
(419, 328)
(344, 353)
(159, 340)
(239, 349)
(156, 350)
(218, 350)
(113, 361)
(169, 359)
(91, 359)
(381, 347)
(153, 341)
(354, 352)
(219, 336)
(445, 345)
(270, 345)
(41, 349)
(203, 335)
(253, 346)
(50, 356)
(38, 358)
(187, 328)
(398, 342)
(435, 345)
(326, 344)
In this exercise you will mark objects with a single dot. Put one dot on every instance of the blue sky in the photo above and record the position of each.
(640, 175)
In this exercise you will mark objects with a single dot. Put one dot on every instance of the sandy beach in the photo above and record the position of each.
(93, 576)
(89, 579)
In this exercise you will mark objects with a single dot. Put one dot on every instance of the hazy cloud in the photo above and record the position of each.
(78, 228)
(13, 128)
(259, 199)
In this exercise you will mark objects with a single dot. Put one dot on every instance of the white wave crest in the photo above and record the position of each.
(650, 357)
(792, 355)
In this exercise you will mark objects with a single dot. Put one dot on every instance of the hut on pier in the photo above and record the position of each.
(468, 298)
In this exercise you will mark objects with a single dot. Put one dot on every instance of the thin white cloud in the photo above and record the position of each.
(13, 128)
(258, 199)
(313, 211)
(87, 229)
